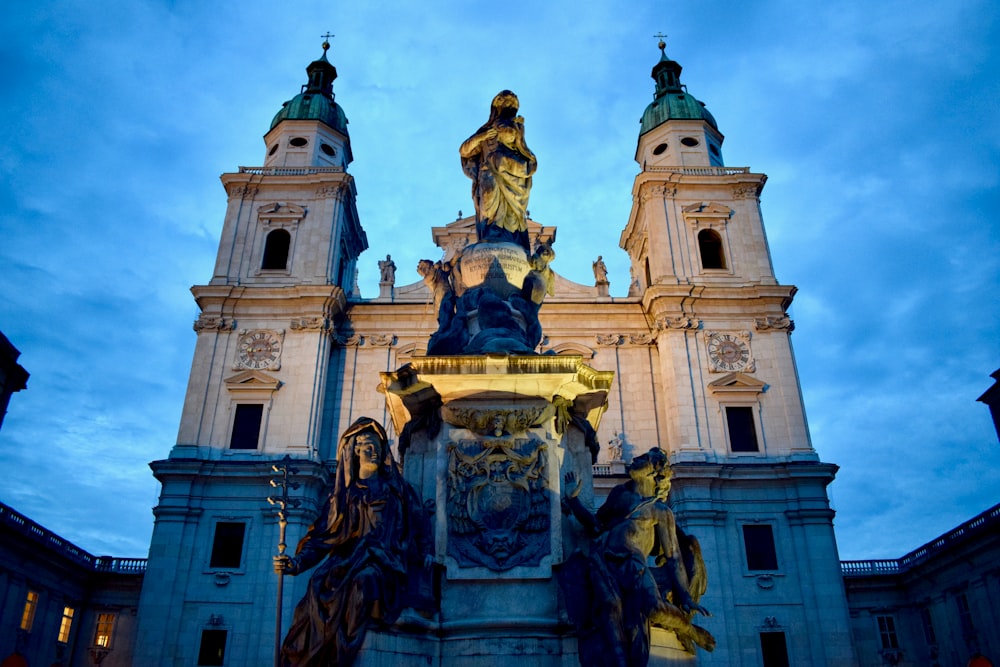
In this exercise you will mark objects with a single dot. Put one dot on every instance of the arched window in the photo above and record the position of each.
(710, 245)
(276, 250)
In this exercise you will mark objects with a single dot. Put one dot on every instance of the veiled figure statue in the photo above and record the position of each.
(612, 592)
(370, 531)
(500, 165)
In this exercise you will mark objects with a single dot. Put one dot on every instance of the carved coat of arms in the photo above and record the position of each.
(498, 506)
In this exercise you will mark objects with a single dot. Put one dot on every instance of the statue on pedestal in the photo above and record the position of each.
(500, 165)
(600, 270)
(370, 540)
(612, 594)
(387, 271)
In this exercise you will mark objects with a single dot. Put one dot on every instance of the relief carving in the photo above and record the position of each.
(244, 191)
(207, 323)
(679, 322)
(498, 506)
(381, 340)
(783, 323)
(495, 421)
(746, 191)
(352, 340)
(641, 339)
(609, 339)
(311, 324)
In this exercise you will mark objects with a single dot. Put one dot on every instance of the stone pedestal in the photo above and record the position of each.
(486, 440)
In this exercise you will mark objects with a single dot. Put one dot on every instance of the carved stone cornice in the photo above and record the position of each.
(783, 323)
(641, 339)
(311, 324)
(747, 190)
(381, 340)
(352, 340)
(496, 421)
(658, 190)
(208, 323)
(680, 322)
(610, 339)
(336, 192)
(244, 191)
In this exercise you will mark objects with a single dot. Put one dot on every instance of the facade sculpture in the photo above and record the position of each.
(500, 164)
(612, 594)
(600, 270)
(387, 270)
(373, 540)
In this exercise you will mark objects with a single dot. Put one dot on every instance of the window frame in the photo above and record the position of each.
(783, 659)
(235, 410)
(888, 636)
(286, 269)
(754, 424)
(66, 624)
(212, 565)
(29, 610)
(201, 660)
(107, 620)
(747, 552)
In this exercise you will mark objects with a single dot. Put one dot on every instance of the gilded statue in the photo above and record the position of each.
(370, 540)
(613, 593)
(500, 165)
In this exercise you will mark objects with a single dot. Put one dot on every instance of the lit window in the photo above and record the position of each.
(227, 547)
(213, 647)
(66, 625)
(105, 630)
(28, 615)
(758, 539)
(887, 631)
(246, 426)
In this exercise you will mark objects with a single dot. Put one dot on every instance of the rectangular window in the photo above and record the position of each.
(246, 426)
(227, 547)
(928, 623)
(773, 649)
(964, 613)
(66, 625)
(212, 651)
(28, 615)
(759, 542)
(742, 432)
(105, 630)
(887, 631)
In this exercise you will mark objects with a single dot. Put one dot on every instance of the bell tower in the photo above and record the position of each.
(260, 386)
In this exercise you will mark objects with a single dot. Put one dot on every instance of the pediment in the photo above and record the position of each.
(277, 213)
(250, 380)
(707, 209)
(737, 383)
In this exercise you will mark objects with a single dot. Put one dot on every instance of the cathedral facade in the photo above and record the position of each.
(288, 355)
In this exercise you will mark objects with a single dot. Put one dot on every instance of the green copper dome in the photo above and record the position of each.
(671, 100)
(315, 102)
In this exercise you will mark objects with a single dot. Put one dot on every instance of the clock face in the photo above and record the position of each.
(728, 352)
(259, 349)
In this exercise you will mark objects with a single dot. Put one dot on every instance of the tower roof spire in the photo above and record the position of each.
(671, 101)
(315, 101)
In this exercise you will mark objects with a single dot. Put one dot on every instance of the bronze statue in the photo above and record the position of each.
(500, 165)
(371, 533)
(612, 594)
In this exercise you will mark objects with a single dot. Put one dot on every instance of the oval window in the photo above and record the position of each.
(659, 149)
(274, 149)
(328, 149)
(689, 141)
(298, 142)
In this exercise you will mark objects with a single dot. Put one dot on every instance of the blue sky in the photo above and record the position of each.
(877, 124)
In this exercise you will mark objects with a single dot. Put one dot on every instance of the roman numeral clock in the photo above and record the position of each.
(729, 352)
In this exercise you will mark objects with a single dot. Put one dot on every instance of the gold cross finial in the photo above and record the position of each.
(326, 39)
(660, 36)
